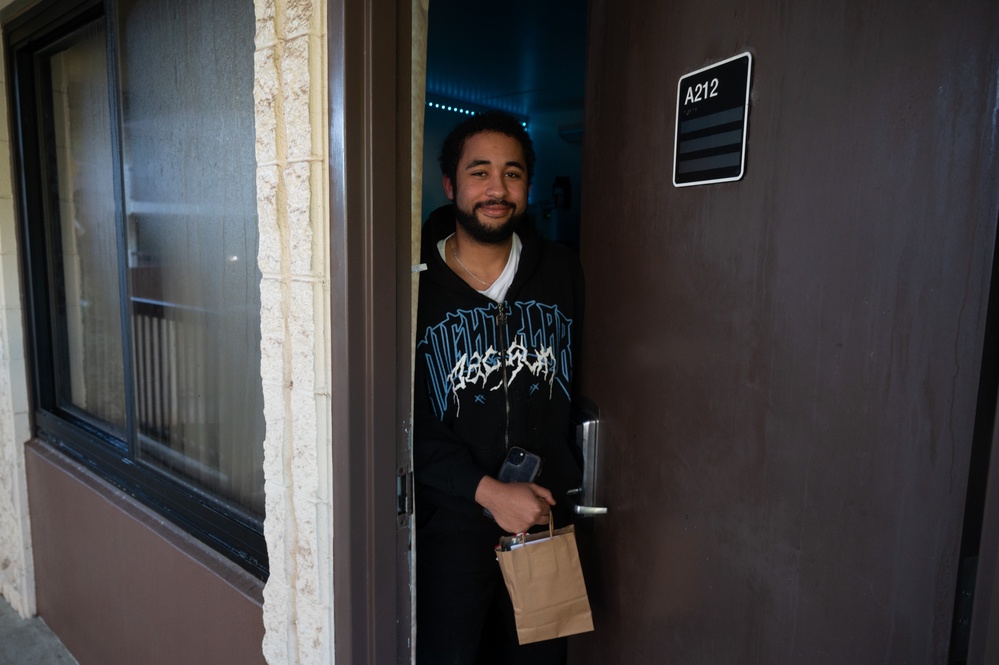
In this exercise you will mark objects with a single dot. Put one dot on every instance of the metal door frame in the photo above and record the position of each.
(370, 349)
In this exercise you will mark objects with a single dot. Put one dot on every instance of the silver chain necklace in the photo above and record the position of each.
(455, 255)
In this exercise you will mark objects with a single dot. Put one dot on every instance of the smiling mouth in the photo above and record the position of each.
(495, 205)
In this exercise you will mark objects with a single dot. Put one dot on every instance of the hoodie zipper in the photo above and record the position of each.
(504, 350)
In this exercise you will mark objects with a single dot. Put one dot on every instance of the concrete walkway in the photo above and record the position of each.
(29, 641)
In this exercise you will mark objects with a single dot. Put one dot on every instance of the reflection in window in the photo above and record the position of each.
(90, 305)
(138, 195)
(190, 205)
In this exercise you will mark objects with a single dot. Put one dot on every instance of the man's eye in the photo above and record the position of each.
(513, 175)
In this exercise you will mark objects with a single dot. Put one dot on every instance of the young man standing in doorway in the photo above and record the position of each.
(498, 323)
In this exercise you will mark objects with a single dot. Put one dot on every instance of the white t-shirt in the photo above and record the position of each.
(499, 288)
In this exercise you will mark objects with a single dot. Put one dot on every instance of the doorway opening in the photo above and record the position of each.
(528, 60)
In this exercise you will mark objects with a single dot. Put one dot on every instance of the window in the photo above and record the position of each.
(135, 151)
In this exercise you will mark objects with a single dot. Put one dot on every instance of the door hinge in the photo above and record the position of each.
(404, 495)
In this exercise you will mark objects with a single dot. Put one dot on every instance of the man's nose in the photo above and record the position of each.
(496, 187)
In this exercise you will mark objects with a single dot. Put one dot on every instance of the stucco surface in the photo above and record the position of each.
(292, 172)
(16, 571)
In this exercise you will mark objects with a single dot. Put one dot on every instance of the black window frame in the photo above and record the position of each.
(28, 35)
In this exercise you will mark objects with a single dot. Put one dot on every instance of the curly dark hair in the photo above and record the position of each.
(490, 121)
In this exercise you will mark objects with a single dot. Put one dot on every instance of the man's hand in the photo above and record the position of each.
(516, 507)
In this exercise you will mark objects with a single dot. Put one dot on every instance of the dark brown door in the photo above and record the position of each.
(786, 366)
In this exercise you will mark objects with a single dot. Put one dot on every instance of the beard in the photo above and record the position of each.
(487, 235)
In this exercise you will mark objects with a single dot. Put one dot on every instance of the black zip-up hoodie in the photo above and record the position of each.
(469, 407)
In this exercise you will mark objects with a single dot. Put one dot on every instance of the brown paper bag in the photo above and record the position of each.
(545, 581)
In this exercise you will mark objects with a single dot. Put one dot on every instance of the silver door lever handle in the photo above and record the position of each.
(585, 511)
(587, 438)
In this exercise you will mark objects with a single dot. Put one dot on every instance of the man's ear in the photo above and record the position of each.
(448, 188)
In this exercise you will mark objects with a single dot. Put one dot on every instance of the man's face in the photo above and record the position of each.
(490, 188)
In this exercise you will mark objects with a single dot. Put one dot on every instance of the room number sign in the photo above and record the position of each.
(712, 111)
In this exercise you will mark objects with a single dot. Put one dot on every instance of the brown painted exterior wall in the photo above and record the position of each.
(121, 587)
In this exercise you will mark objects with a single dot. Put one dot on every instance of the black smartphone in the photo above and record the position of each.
(520, 466)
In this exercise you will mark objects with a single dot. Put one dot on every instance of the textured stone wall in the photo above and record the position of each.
(292, 177)
(17, 582)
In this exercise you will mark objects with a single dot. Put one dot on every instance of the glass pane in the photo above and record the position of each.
(88, 307)
(191, 207)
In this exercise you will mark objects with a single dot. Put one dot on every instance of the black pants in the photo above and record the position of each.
(463, 611)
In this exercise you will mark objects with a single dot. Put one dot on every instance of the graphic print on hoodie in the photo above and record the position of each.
(465, 353)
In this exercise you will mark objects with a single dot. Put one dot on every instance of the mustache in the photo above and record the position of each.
(493, 202)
